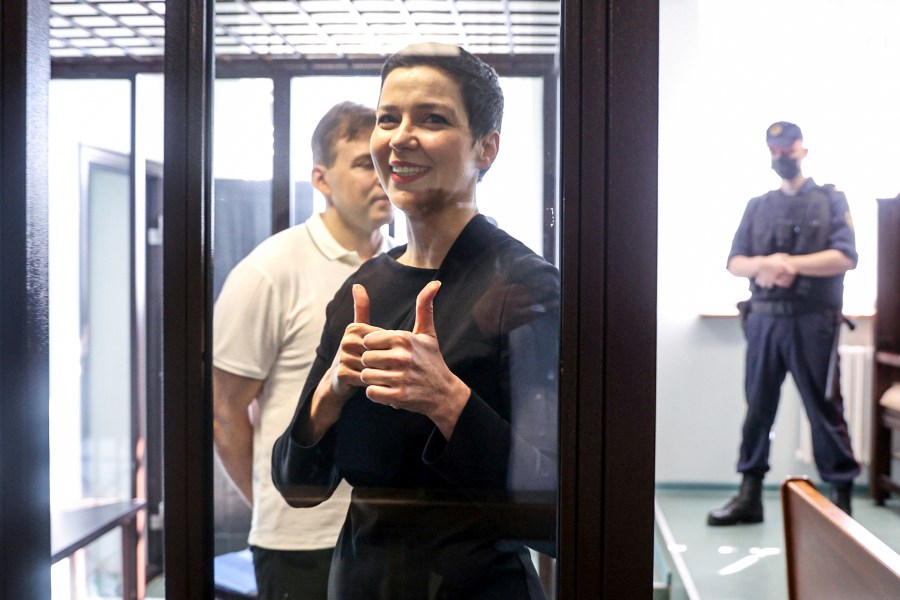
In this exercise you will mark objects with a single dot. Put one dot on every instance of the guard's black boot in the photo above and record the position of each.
(746, 507)
(840, 495)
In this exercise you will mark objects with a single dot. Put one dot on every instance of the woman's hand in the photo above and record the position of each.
(406, 370)
(343, 376)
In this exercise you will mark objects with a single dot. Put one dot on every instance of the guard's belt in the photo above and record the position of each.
(784, 308)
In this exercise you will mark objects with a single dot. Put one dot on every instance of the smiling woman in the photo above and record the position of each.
(426, 151)
(434, 388)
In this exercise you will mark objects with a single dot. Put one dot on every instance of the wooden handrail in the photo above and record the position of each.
(829, 554)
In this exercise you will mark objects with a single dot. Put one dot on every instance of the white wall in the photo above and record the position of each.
(728, 70)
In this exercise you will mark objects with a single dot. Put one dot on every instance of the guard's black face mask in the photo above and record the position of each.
(786, 167)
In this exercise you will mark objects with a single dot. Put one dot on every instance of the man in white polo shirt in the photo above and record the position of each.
(267, 323)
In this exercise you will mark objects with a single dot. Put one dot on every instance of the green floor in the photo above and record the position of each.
(731, 563)
(746, 562)
(156, 588)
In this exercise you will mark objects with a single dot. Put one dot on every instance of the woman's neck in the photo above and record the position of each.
(430, 238)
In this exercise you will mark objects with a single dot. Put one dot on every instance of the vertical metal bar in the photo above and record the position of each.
(130, 568)
(281, 155)
(138, 343)
(187, 210)
(629, 411)
(570, 160)
(551, 167)
(609, 116)
(24, 315)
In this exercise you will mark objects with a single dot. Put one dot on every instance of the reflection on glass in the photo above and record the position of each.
(518, 172)
(149, 116)
(312, 97)
(106, 274)
(91, 313)
(242, 169)
(433, 392)
(510, 308)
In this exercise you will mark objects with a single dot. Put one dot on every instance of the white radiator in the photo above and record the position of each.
(856, 388)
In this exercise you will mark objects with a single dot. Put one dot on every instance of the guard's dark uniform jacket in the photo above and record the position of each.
(796, 329)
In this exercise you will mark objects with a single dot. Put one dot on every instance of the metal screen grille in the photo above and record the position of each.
(309, 28)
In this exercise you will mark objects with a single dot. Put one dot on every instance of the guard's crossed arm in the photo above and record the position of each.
(767, 271)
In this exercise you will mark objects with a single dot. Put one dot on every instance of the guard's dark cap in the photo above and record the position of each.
(782, 134)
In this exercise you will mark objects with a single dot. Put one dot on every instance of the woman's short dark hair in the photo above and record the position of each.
(344, 121)
(477, 80)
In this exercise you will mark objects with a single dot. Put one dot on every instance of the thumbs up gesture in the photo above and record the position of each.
(342, 377)
(347, 363)
(404, 369)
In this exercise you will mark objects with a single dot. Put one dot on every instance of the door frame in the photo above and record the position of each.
(609, 116)
(24, 312)
(609, 110)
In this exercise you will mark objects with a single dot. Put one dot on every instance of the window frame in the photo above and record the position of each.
(608, 100)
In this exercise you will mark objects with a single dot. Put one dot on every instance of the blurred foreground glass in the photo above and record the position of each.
(333, 56)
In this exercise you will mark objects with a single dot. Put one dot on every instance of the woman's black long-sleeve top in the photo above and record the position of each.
(436, 518)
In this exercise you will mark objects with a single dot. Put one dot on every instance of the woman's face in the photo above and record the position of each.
(422, 146)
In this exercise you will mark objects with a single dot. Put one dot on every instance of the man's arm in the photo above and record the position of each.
(780, 269)
(232, 430)
(826, 263)
(745, 266)
(766, 271)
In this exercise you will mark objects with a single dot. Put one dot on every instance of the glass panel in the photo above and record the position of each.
(148, 166)
(106, 417)
(472, 515)
(311, 98)
(242, 168)
(92, 394)
(519, 171)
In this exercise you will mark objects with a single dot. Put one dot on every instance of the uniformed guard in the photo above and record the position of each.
(794, 244)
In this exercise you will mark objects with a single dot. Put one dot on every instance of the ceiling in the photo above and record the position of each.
(307, 29)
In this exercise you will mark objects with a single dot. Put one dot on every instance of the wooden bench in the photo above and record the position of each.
(829, 554)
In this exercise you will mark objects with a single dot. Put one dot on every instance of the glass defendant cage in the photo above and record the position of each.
(595, 68)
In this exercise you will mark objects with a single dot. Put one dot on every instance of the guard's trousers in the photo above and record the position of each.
(806, 346)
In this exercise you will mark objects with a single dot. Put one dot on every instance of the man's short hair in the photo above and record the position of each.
(344, 121)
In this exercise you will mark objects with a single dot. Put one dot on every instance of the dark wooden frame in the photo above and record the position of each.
(885, 421)
(187, 300)
(608, 383)
(24, 315)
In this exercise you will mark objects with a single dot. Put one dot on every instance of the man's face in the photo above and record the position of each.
(351, 186)
(786, 161)
(795, 150)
